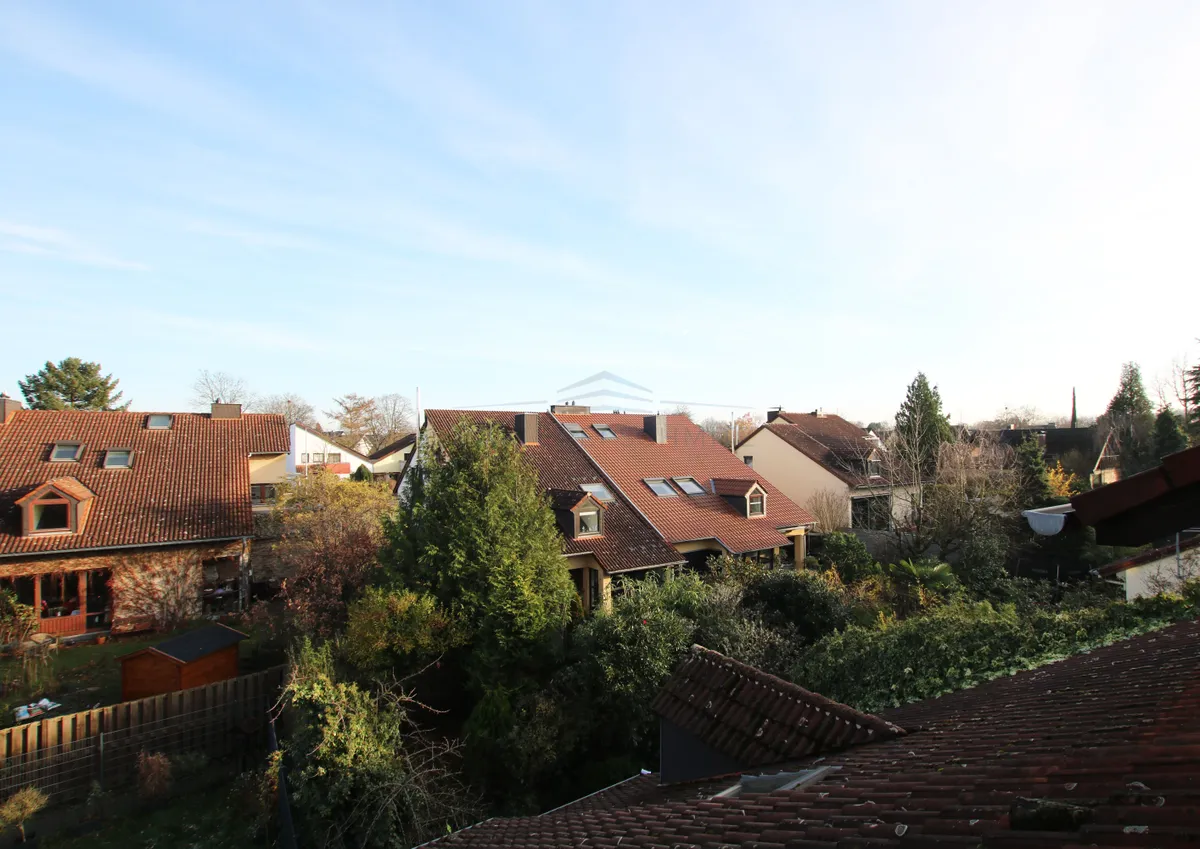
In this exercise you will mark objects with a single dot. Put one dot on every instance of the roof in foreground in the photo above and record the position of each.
(1115, 731)
(629, 542)
(632, 456)
(188, 482)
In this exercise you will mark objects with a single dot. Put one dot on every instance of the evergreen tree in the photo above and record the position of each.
(1131, 417)
(475, 532)
(921, 425)
(71, 385)
(362, 474)
(1193, 385)
(1034, 476)
(1169, 436)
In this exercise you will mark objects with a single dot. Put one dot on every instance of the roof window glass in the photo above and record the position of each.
(605, 431)
(660, 487)
(576, 430)
(159, 421)
(690, 486)
(118, 458)
(598, 490)
(66, 452)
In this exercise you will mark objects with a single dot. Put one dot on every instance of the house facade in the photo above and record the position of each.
(312, 450)
(1159, 570)
(638, 493)
(389, 461)
(120, 520)
(822, 456)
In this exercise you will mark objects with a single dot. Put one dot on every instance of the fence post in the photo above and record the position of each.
(101, 779)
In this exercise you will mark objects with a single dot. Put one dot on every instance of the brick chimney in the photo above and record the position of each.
(226, 411)
(8, 408)
(656, 427)
(526, 427)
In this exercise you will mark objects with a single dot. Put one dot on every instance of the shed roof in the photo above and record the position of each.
(194, 644)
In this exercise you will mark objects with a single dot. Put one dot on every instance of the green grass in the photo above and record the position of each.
(82, 676)
(193, 821)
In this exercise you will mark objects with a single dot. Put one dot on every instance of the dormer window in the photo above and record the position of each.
(576, 430)
(159, 421)
(66, 452)
(660, 487)
(605, 431)
(118, 458)
(758, 504)
(51, 514)
(589, 523)
(690, 486)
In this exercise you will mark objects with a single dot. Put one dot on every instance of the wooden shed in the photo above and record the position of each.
(194, 659)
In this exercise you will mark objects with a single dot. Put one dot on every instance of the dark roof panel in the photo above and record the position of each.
(199, 643)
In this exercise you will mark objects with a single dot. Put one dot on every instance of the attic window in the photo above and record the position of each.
(159, 421)
(51, 514)
(589, 523)
(605, 431)
(576, 430)
(118, 458)
(660, 487)
(749, 785)
(598, 490)
(690, 487)
(66, 452)
(758, 504)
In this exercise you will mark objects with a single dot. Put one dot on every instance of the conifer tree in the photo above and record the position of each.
(1131, 418)
(921, 424)
(71, 385)
(1169, 436)
(1035, 486)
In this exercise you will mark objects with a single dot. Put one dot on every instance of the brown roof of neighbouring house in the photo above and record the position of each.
(187, 483)
(757, 719)
(1146, 506)
(629, 542)
(1115, 731)
(633, 456)
(1142, 558)
(828, 440)
(392, 447)
(733, 486)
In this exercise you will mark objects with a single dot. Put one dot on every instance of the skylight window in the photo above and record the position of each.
(66, 452)
(598, 490)
(118, 458)
(576, 430)
(605, 431)
(159, 421)
(690, 486)
(660, 487)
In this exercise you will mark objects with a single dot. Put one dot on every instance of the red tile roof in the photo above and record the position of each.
(629, 542)
(688, 452)
(733, 486)
(1116, 731)
(831, 441)
(757, 719)
(189, 482)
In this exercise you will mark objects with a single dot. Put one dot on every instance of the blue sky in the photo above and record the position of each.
(794, 203)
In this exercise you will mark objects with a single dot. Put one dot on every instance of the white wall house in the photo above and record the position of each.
(311, 448)
(1160, 570)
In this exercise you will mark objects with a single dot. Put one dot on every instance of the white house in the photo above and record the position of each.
(314, 449)
(1156, 571)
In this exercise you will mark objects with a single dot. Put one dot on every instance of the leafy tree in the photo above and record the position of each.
(848, 555)
(365, 774)
(353, 414)
(397, 630)
(71, 385)
(329, 534)
(475, 532)
(921, 424)
(362, 475)
(1063, 484)
(1035, 490)
(1131, 419)
(391, 417)
(1169, 436)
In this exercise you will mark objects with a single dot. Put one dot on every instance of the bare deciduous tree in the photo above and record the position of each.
(830, 509)
(1173, 389)
(292, 407)
(213, 386)
(392, 417)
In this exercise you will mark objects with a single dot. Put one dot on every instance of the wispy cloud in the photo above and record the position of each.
(54, 244)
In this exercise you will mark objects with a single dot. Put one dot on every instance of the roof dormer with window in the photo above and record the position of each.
(580, 514)
(60, 506)
(744, 495)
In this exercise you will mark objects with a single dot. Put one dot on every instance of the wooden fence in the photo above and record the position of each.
(64, 754)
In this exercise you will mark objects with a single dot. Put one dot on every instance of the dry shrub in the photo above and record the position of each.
(153, 774)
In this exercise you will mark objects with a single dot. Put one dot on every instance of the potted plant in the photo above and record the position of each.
(19, 807)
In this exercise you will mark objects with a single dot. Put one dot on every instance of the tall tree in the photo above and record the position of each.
(213, 386)
(392, 416)
(1034, 476)
(1131, 418)
(1193, 396)
(354, 414)
(1169, 435)
(475, 532)
(71, 385)
(292, 407)
(920, 423)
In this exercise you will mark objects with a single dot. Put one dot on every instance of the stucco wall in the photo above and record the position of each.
(268, 468)
(391, 464)
(796, 476)
(304, 442)
(1161, 575)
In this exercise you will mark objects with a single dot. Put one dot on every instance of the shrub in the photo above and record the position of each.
(22, 805)
(847, 554)
(390, 629)
(153, 775)
(802, 601)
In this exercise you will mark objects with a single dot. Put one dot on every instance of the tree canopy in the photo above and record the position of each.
(71, 385)
(1131, 418)
(1169, 435)
(922, 425)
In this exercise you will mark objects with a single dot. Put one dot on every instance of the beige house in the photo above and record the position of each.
(830, 466)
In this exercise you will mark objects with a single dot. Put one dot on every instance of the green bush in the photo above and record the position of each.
(847, 554)
(802, 601)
